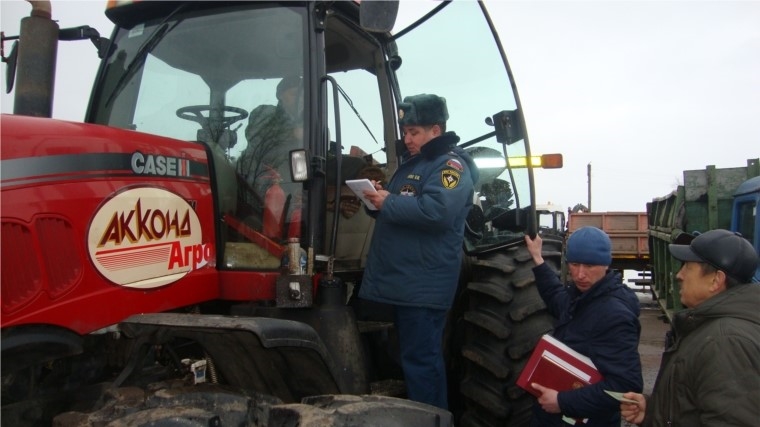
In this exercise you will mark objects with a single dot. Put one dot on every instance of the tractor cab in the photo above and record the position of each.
(289, 102)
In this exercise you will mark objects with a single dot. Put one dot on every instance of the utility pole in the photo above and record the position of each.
(588, 172)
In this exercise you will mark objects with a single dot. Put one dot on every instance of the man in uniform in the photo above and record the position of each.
(416, 249)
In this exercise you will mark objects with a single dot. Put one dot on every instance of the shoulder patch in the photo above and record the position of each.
(454, 163)
(449, 178)
(408, 190)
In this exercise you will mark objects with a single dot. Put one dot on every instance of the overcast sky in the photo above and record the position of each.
(640, 90)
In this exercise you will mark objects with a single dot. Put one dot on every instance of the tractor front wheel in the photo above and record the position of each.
(503, 319)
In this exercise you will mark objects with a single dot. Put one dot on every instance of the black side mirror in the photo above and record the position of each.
(378, 15)
(508, 127)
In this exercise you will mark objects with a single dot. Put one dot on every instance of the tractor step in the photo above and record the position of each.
(366, 326)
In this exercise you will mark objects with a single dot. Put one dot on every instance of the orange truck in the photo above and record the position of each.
(628, 232)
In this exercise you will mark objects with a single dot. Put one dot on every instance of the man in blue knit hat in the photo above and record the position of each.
(416, 249)
(598, 317)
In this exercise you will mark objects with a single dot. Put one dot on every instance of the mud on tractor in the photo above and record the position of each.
(182, 255)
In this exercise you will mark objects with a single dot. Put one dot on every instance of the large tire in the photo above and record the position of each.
(503, 320)
(358, 411)
(175, 404)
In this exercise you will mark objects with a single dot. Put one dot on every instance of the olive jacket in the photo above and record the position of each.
(710, 375)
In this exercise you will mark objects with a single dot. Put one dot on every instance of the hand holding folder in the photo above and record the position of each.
(555, 365)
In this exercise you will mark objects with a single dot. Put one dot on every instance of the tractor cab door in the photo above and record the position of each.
(455, 52)
(428, 51)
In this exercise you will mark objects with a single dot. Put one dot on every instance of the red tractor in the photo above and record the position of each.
(189, 253)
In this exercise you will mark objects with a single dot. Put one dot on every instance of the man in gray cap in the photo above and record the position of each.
(710, 374)
(597, 316)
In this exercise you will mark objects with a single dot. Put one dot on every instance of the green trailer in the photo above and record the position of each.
(704, 201)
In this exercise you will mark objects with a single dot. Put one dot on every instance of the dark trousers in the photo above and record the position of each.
(420, 334)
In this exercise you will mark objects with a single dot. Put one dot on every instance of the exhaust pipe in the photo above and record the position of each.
(35, 72)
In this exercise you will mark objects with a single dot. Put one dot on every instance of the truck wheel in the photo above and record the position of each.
(504, 318)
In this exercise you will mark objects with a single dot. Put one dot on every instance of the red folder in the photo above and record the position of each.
(555, 365)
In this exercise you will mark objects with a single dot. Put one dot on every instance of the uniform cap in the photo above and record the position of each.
(589, 245)
(725, 250)
(422, 110)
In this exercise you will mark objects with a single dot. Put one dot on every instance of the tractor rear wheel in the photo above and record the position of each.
(503, 319)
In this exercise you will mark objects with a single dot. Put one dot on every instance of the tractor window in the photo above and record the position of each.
(165, 89)
(362, 135)
(355, 62)
(361, 118)
(227, 75)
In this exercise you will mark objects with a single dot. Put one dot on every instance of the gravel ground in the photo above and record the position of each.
(654, 326)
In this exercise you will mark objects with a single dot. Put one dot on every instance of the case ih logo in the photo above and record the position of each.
(145, 238)
(147, 164)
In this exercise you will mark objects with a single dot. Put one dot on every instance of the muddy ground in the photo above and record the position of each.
(653, 329)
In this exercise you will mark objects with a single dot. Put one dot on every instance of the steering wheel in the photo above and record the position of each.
(194, 113)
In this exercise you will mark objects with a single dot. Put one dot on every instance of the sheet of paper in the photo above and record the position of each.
(619, 396)
(359, 186)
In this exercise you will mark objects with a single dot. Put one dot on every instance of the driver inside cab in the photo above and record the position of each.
(272, 132)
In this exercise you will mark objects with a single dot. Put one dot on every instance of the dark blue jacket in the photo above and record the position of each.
(416, 249)
(602, 323)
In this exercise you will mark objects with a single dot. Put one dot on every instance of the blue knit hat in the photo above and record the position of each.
(589, 245)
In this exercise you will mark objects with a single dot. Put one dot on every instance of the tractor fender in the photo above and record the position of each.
(24, 346)
(278, 357)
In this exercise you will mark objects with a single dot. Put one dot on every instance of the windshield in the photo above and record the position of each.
(469, 72)
(230, 79)
(229, 62)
